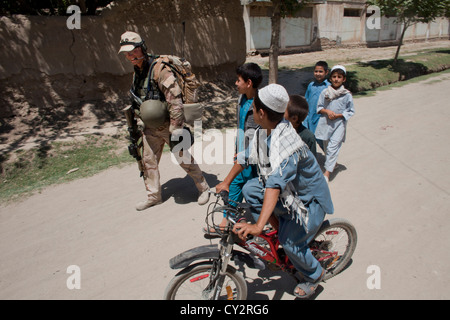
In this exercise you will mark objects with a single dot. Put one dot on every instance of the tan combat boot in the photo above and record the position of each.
(147, 204)
(203, 198)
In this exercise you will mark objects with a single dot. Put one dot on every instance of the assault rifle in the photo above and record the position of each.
(136, 147)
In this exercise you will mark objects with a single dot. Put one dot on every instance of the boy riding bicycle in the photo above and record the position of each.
(290, 184)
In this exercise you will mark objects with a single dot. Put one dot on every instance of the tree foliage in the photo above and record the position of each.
(409, 12)
(49, 7)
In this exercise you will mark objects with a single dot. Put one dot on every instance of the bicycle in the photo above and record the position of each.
(211, 277)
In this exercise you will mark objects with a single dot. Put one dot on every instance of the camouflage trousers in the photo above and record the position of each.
(154, 141)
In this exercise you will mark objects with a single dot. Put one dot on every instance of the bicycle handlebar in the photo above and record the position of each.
(224, 195)
(234, 213)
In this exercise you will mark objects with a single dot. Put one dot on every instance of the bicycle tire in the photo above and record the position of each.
(239, 291)
(325, 240)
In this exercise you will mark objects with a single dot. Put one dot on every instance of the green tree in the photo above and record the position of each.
(410, 12)
(49, 7)
(281, 9)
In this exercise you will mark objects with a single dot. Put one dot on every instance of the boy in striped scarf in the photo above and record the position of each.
(290, 185)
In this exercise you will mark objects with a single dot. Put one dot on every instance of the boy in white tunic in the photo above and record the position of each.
(336, 107)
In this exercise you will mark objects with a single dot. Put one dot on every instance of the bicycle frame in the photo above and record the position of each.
(262, 251)
(272, 256)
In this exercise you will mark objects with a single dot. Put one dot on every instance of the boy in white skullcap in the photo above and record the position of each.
(335, 106)
(290, 184)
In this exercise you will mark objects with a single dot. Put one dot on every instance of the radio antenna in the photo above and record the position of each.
(184, 39)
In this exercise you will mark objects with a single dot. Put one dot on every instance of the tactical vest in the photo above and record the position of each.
(147, 88)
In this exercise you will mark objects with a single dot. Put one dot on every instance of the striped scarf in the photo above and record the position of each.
(284, 143)
(332, 94)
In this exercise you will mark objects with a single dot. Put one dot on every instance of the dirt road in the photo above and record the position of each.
(393, 185)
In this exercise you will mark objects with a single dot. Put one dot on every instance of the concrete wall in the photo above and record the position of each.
(332, 24)
(44, 65)
(328, 25)
(295, 31)
(424, 31)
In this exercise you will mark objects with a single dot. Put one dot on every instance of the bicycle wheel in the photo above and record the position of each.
(333, 245)
(194, 283)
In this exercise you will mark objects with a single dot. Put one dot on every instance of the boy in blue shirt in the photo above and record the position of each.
(249, 78)
(313, 92)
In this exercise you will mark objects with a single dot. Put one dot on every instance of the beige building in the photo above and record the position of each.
(325, 23)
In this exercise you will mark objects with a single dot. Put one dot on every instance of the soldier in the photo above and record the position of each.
(162, 113)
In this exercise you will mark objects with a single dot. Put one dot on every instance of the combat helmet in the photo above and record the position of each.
(154, 113)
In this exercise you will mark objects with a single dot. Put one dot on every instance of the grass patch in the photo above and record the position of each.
(413, 80)
(363, 77)
(366, 76)
(50, 164)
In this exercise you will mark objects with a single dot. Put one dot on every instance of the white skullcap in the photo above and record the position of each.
(339, 67)
(275, 97)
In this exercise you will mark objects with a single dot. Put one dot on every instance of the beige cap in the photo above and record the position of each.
(129, 40)
(275, 97)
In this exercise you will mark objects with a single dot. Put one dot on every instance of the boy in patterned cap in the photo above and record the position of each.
(290, 184)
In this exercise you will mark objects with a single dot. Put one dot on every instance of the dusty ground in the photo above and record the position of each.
(348, 54)
(392, 184)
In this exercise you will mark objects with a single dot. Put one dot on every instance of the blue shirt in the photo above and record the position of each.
(245, 106)
(312, 97)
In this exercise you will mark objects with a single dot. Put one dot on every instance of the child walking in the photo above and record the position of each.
(313, 92)
(335, 107)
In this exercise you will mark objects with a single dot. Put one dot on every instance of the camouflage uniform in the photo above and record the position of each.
(155, 138)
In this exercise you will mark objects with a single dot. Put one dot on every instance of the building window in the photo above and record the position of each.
(304, 13)
(349, 12)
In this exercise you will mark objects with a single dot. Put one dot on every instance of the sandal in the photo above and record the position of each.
(308, 287)
(210, 232)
